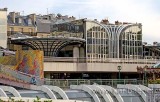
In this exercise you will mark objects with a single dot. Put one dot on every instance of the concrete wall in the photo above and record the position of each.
(58, 66)
(27, 29)
(76, 52)
(3, 28)
(102, 67)
(112, 67)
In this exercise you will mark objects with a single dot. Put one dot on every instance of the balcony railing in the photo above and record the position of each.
(26, 33)
(65, 83)
(100, 60)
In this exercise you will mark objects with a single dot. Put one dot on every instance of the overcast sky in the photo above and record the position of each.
(146, 12)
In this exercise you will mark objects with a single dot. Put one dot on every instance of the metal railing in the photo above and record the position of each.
(65, 83)
(27, 33)
(100, 60)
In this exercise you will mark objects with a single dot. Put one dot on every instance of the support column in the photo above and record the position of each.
(82, 53)
(153, 54)
(76, 52)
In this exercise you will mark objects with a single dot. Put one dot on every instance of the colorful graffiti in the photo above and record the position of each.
(8, 60)
(23, 67)
(30, 62)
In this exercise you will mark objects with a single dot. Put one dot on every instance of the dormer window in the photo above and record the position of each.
(21, 30)
(29, 21)
(20, 20)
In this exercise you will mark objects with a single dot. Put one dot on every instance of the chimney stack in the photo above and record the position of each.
(33, 17)
(12, 15)
(105, 21)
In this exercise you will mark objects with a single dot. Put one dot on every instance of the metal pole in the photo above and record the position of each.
(119, 69)
(119, 75)
(145, 76)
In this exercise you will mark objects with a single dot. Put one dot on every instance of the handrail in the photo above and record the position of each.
(106, 60)
(64, 82)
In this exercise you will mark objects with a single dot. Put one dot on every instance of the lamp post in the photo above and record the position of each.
(145, 74)
(119, 69)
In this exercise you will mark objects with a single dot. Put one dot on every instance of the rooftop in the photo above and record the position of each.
(3, 9)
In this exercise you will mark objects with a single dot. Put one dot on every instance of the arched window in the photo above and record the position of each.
(97, 42)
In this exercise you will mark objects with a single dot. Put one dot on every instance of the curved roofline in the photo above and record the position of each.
(125, 27)
(50, 38)
(107, 30)
(53, 44)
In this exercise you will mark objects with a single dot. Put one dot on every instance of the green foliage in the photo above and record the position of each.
(48, 101)
(1, 100)
(37, 99)
(13, 100)
(154, 81)
(19, 100)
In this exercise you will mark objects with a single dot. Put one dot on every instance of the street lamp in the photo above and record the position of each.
(119, 69)
(145, 74)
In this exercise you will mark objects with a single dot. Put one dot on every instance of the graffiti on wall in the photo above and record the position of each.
(30, 62)
(8, 60)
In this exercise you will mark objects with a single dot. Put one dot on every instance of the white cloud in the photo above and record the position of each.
(125, 10)
(141, 11)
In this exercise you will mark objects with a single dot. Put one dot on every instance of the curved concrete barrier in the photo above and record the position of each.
(44, 89)
(106, 96)
(2, 93)
(26, 99)
(113, 92)
(59, 91)
(86, 89)
(11, 90)
(136, 89)
(144, 88)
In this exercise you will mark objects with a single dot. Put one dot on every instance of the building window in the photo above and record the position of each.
(20, 20)
(21, 30)
(29, 21)
(30, 30)
(11, 30)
